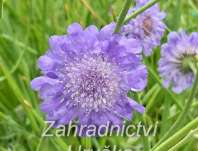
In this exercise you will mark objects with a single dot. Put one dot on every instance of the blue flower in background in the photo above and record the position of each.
(177, 54)
(148, 27)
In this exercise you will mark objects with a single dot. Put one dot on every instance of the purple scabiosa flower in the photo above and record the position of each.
(87, 74)
(148, 27)
(176, 55)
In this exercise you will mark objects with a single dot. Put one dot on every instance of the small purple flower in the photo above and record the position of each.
(180, 50)
(148, 27)
(87, 74)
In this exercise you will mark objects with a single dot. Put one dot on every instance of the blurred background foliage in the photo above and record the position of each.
(25, 27)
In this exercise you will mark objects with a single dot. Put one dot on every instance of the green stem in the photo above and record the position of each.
(183, 114)
(146, 143)
(156, 78)
(86, 142)
(142, 9)
(145, 138)
(1, 8)
(168, 29)
(38, 148)
(122, 15)
(60, 143)
(184, 141)
(177, 136)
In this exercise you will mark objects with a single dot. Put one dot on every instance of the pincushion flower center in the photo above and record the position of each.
(94, 83)
(188, 62)
(147, 25)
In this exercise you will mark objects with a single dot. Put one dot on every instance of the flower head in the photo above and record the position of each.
(177, 54)
(87, 74)
(148, 27)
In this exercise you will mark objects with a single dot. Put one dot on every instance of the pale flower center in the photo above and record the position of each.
(93, 83)
(147, 25)
(189, 63)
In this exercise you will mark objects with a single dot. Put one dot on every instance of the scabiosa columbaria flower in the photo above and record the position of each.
(87, 74)
(177, 54)
(148, 27)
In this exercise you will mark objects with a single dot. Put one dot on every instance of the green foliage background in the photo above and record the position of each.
(25, 27)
